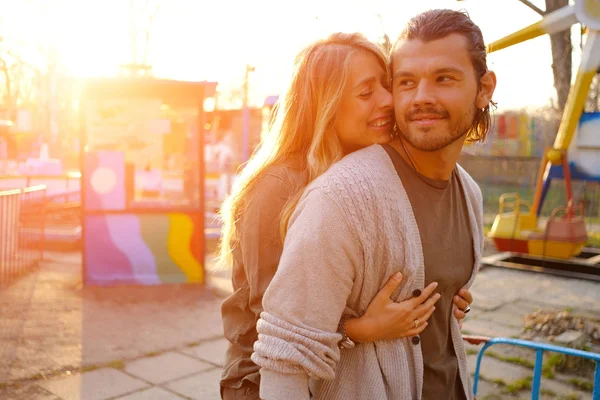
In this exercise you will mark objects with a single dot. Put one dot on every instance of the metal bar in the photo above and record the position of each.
(540, 182)
(537, 374)
(546, 270)
(540, 348)
(596, 393)
(533, 7)
(478, 367)
(545, 347)
(579, 91)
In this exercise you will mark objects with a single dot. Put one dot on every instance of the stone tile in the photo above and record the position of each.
(26, 393)
(203, 386)
(489, 391)
(486, 302)
(510, 314)
(493, 369)
(562, 389)
(213, 351)
(94, 385)
(489, 328)
(154, 393)
(165, 367)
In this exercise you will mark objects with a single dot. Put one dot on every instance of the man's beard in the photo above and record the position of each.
(425, 138)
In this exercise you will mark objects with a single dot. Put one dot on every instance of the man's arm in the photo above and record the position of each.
(304, 303)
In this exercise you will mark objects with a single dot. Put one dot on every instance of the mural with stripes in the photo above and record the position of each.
(143, 249)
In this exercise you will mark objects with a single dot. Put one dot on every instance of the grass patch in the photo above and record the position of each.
(512, 360)
(486, 229)
(521, 384)
(552, 363)
(581, 384)
(593, 239)
(472, 352)
(548, 392)
(572, 396)
(499, 381)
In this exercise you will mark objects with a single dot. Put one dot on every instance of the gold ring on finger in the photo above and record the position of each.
(416, 323)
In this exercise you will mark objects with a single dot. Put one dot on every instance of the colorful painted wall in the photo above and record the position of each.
(135, 246)
(145, 249)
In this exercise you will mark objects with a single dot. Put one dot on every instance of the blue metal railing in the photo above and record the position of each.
(537, 369)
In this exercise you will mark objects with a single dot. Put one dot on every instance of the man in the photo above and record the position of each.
(404, 207)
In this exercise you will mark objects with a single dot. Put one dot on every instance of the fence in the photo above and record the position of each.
(22, 223)
(498, 174)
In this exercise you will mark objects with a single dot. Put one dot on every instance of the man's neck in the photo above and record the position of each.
(432, 164)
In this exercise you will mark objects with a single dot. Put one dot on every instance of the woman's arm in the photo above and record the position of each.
(304, 303)
(387, 320)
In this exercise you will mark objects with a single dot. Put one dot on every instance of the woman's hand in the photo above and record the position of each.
(387, 320)
(461, 301)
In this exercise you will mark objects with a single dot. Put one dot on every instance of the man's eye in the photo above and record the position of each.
(405, 83)
(444, 78)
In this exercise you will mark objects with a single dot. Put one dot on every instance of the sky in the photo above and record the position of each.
(214, 40)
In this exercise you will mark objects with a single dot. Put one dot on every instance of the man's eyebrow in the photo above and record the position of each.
(448, 70)
(445, 70)
(403, 74)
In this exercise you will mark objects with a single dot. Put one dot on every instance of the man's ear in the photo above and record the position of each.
(487, 85)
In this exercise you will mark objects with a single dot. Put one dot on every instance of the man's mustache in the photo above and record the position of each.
(414, 113)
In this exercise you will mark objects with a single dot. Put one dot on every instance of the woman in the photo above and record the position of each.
(338, 102)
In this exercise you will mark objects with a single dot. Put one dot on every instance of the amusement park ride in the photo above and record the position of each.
(557, 247)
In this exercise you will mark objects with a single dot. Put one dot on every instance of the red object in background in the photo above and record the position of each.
(502, 127)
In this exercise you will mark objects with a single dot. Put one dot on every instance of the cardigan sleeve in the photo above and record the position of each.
(304, 302)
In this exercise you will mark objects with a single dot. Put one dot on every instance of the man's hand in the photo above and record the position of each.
(387, 320)
(461, 301)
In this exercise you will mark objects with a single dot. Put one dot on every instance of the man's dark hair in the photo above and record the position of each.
(437, 24)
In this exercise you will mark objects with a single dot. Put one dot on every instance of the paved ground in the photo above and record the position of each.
(59, 340)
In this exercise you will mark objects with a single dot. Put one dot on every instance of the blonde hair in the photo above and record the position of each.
(303, 126)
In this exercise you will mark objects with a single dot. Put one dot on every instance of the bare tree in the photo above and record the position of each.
(593, 101)
(141, 24)
(561, 53)
(16, 79)
(561, 57)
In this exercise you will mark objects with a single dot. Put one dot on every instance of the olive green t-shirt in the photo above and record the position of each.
(441, 214)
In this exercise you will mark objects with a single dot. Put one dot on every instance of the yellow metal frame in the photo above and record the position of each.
(586, 12)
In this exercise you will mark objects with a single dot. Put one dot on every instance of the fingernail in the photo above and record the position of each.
(397, 276)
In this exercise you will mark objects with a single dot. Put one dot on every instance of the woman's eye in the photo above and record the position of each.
(365, 95)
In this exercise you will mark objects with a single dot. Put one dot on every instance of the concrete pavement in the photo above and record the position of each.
(65, 341)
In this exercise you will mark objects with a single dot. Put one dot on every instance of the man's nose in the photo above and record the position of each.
(424, 94)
